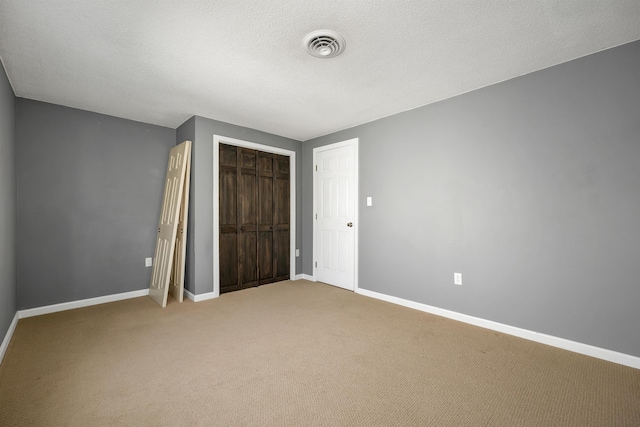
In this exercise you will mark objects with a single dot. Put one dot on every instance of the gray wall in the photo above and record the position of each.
(8, 305)
(200, 237)
(89, 189)
(530, 188)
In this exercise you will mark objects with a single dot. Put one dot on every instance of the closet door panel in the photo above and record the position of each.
(266, 200)
(248, 215)
(228, 261)
(265, 256)
(248, 269)
(281, 205)
(281, 240)
(228, 202)
(248, 201)
(228, 156)
(265, 217)
(228, 205)
(281, 249)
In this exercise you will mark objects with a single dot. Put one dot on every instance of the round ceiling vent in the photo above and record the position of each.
(324, 43)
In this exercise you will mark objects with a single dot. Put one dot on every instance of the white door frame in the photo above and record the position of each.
(353, 142)
(217, 140)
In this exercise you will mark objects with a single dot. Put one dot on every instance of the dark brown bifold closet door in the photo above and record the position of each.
(254, 218)
(281, 220)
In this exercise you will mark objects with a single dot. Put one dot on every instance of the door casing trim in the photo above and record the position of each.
(350, 142)
(217, 139)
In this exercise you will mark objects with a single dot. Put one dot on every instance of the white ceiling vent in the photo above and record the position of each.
(324, 43)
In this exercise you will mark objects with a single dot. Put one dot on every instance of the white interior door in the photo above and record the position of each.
(176, 283)
(335, 196)
(168, 228)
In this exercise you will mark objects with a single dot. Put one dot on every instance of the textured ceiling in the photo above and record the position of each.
(242, 61)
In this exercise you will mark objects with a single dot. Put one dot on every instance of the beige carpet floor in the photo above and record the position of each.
(297, 354)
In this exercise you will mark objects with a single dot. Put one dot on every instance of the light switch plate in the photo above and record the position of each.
(148, 262)
(369, 201)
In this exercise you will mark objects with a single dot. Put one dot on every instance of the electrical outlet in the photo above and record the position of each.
(148, 262)
(457, 278)
(297, 253)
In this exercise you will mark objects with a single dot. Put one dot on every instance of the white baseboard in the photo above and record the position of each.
(200, 297)
(576, 347)
(80, 303)
(8, 336)
(305, 277)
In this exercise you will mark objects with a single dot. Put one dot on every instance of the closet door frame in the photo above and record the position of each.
(217, 140)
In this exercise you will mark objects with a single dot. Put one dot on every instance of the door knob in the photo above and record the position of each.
(349, 224)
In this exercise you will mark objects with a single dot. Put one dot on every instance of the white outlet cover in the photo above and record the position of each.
(148, 262)
(369, 201)
(297, 252)
(457, 278)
